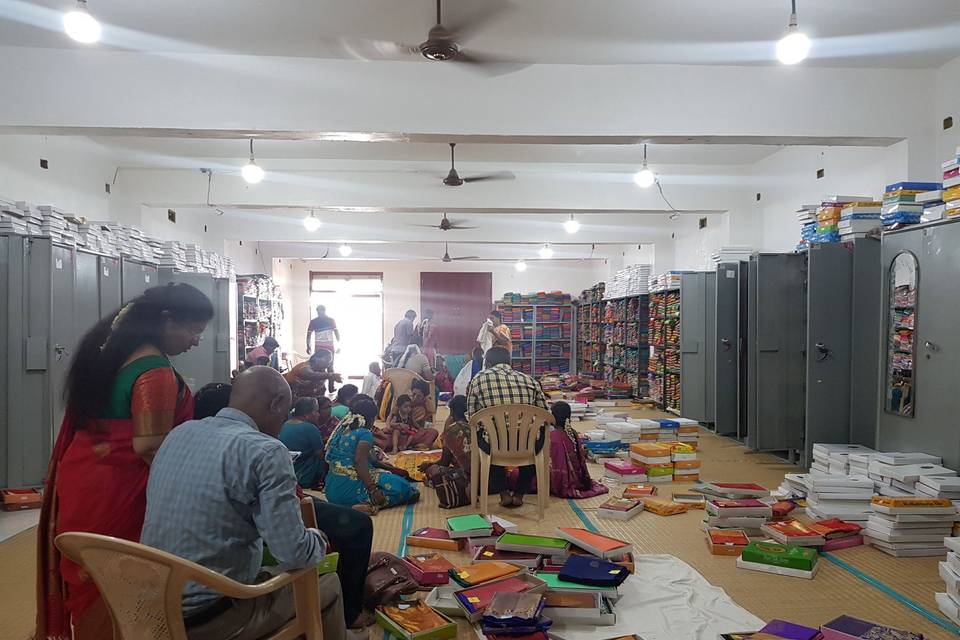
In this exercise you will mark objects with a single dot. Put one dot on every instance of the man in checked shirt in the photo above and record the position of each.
(499, 384)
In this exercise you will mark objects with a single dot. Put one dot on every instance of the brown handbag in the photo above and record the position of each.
(387, 580)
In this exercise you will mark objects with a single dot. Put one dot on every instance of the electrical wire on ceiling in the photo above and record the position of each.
(675, 213)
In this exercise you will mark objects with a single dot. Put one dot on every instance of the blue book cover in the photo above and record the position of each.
(593, 571)
(913, 186)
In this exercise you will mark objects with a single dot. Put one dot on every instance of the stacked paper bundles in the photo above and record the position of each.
(837, 455)
(625, 432)
(629, 281)
(736, 253)
(664, 281)
(899, 202)
(897, 476)
(859, 463)
(949, 601)
(656, 457)
(910, 526)
(794, 485)
(649, 429)
(947, 487)
(12, 220)
(857, 219)
(839, 496)
(933, 207)
(828, 219)
(807, 217)
(748, 514)
(686, 466)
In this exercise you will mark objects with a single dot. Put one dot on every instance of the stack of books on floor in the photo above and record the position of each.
(657, 459)
(839, 496)
(949, 601)
(746, 514)
(835, 458)
(857, 219)
(896, 474)
(624, 471)
(910, 526)
(783, 559)
(625, 431)
(793, 532)
(947, 487)
(795, 486)
(838, 534)
(686, 466)
(899, 202)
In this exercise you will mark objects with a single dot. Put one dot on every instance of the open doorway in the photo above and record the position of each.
(355, 302)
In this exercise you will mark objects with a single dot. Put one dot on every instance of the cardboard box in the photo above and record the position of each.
(536, 586)
(442, 632)
(20, 499)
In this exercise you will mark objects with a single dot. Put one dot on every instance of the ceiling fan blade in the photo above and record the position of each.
(468, 24)
(487, 66)
(456, 226)
(368, 49)
(500, 175)
(429, 226)
(466, 258)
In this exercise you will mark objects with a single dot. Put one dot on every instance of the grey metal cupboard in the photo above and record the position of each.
(697, 354)
(212, 360)
(730, 346)
(137, 276)
(929, 422)
(776, 333)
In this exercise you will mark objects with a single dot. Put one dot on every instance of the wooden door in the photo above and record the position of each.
(460, 303)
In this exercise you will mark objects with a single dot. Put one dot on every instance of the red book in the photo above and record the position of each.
(726, 542)
(432, 538)
(793, 532)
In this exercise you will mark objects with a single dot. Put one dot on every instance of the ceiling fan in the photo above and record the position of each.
(445, 225)
(453, 178)
(446, 256)
(443, 44)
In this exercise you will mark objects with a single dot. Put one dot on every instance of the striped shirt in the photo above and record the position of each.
(219, 488)
(500, 384)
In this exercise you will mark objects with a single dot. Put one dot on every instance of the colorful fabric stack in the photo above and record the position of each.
(857, 219)
(899, 202)
(951, 185)
(828, 219)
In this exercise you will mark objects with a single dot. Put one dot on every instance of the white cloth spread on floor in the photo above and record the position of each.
(666, 599)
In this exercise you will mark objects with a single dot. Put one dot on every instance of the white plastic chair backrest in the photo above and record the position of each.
(511, 429)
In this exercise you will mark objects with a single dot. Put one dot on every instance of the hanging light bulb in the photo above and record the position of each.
(80, 25)
(251, 171)
(545, 251)
(311, 223)
(345, 250)
(794, 46)
(520, 266)
(645, 177)
(571, 225)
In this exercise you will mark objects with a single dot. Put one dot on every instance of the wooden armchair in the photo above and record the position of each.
(142, 587)
(512, 431)
(402, 380)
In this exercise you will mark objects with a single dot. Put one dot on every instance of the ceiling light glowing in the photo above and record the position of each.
(520, 266)
(311, 223)
(571, 225)
(80, 25)
(346, 250)
(645, 177)
(794, 46)
(251, 171)
(546, 252)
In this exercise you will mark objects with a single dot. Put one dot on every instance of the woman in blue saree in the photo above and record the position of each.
(355, 477)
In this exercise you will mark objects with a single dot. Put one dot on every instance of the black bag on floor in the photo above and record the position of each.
(452, 486)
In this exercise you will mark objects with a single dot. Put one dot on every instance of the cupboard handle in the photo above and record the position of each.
(932, 346)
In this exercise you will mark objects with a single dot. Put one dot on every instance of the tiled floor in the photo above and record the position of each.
(14, 522)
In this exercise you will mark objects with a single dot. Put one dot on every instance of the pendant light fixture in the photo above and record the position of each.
(520, 266)
(794, 46)
(645, 177)
(545, 251)
(571, 225)
(251, 171)
(80, 25)
(345, 250)
(311, 223)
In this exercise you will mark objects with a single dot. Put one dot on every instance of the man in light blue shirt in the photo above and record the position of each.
(221, 487)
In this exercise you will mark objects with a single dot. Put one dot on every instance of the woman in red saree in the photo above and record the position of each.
(123, 397)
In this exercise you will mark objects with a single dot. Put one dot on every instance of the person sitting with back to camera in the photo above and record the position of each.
(219, 489)
(349, 531)
(310, 378)
(355, 478)
(569, 476)
(300, 434)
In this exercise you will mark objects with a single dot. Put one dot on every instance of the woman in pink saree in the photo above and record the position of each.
(569, 477)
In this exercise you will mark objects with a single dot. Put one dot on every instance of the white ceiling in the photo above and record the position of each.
(867, 33)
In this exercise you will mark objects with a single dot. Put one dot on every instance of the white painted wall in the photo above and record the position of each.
(947, 92)
(401, 284)
(74, 181)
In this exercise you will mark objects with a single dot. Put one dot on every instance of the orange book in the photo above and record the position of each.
(663, 507)
(686, 464)
(726, 542)
(599, 545)
(480, 572)
(639, 490)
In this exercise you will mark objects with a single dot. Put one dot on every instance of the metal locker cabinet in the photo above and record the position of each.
(748, 429)
(11, 350)
(110, 284)
(86, 305)
(743, 350)
(693, 362)
(829, 316)
(63, 331)
(777, 332)
(137, 276)
(710, 347)
(726, 376)
(211, 360)
(937, 345)
(866, 328)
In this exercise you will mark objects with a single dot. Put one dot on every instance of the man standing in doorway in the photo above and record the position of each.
(402, 333)
(494, 333)
(324, 330)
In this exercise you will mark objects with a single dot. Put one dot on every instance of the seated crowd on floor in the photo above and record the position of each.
(218, 477)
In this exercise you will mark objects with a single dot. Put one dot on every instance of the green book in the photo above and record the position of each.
(532, 544)
(554, 582)
(780, 555)
(471, 522)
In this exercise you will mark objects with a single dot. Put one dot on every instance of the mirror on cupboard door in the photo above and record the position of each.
(899, 389)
